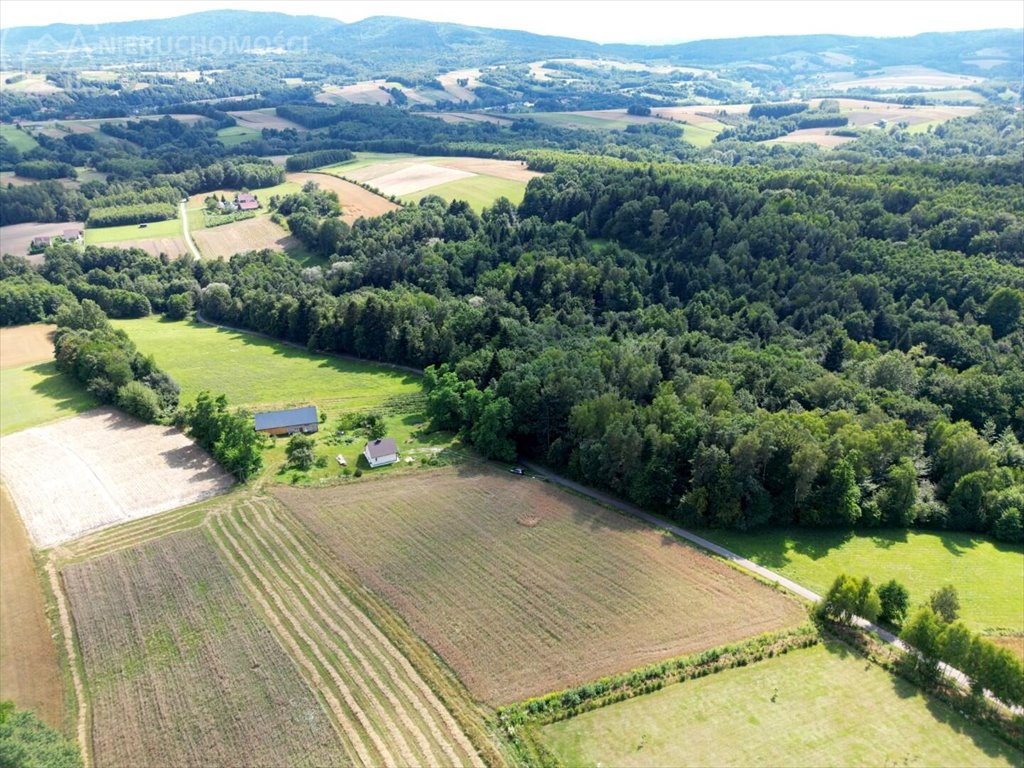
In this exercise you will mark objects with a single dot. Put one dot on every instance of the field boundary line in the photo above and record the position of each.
(292, 582)
(67, 630)
(286, 639)
(428, 706)
(350, 702)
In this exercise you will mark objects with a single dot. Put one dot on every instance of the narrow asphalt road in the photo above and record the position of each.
(184, 229)
(952, 673)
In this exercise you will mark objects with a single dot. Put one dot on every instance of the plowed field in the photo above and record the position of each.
(524, 589)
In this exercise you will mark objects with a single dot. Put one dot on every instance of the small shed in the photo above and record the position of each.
(381, 452)
(288, 422)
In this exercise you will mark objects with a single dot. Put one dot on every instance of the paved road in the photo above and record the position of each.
(953, 674)
(184, 229)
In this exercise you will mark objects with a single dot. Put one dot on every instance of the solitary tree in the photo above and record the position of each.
(300, 451)
(946, 603)
(895, 602)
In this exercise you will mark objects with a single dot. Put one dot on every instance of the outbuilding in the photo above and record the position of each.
(288, 422)
(381, 452)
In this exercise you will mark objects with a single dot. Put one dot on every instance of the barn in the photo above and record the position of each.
(381, 452)
(288, 422)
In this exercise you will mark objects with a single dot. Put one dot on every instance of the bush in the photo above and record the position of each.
(140, 401)
(26, 742)
(178, 306)
(300, 452)
(895, 602)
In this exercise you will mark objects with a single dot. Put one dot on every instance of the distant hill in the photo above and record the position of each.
(391, 43)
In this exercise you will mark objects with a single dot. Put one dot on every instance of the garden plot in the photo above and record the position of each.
(102, 468)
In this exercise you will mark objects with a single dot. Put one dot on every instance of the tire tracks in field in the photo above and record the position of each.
(84, 742)
(426, 704)
(235, 555)
(316, 619)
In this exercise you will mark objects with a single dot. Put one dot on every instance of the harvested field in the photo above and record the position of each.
(259, 119)
(512, 170)
(416, 178)
(820, 136)
(356, 202)
(894, 78)
(10, 177)
(101, 468)
(181, 669)
(24, 344)
(450, 81)
(468, 117)
(154, 246)
(524, 589)
(29, 672)
(16, 238)
(384, 711)
(238, 237)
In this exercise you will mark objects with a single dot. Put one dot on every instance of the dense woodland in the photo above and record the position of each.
(835, 344)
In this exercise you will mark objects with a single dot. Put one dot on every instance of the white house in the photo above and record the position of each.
(381, 452)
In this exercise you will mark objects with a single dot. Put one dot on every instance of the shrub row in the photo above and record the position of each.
(116, 215)
(317, 159)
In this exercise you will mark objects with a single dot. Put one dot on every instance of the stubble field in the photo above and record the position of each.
(524, 589)
(225, 241)
(180, 668)
(101, 468)
(356, 202)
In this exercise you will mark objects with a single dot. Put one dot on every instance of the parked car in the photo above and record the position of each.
(517, 471)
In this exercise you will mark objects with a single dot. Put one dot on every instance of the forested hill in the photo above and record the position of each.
(392, 42)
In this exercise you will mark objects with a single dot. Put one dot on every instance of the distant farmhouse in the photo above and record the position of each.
(246, 202)
(381, 452)
(288, 422)
(42, 242)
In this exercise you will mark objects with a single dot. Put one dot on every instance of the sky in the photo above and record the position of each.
(602, 21)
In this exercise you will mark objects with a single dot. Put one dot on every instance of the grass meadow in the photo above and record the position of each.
(255, 371)
(105, 235)
(18, 139)
(237, 134)
(38, 393)
(988, 575)
(812, 707)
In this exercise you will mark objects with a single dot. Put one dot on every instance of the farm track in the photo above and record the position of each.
(385, 710)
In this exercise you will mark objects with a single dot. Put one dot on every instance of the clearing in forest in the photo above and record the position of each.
(258, 119)
(523, 588)
(356, 202)
(101, 468)
(255, 234)
(816, 706)
(181, 668)
(479, 181)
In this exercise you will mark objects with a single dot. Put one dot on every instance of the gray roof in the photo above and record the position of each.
(291, 418)
(383, 447)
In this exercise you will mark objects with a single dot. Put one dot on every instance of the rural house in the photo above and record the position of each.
(72, 235)
(381, 452)
(246, 202)
(288, 422)
(40, 243)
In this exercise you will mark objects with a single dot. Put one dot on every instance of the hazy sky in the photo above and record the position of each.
(639, 21)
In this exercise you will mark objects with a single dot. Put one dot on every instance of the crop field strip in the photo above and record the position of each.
(523, 589)
(179, 669)
(386, 711)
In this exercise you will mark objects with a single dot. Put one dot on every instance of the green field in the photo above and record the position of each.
(989, 576)
(37, 394)
(830, 708)
(254, 371)
(363, 159)
(18, 139)
(238, 134)
(573, 120)
(479, 191)
(98, 236)
(701, 135)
